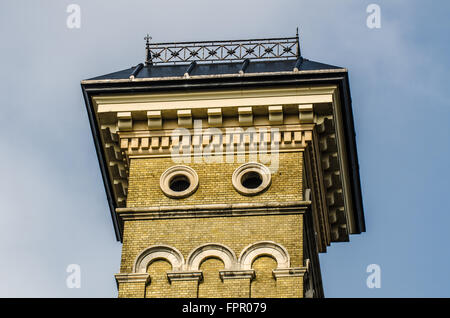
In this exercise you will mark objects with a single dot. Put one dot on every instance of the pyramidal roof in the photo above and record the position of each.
(219, 58)
(230, 68)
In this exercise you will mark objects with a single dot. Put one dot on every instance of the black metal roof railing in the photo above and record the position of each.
(217, 51)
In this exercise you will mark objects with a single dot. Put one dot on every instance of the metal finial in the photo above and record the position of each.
(298, 44)
(147, 39)
(148, 55)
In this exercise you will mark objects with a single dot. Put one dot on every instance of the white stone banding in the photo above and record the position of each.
(132, 278)
(168, 253)
(264, 248)
(212, 250)
(185, 276)
(211, 210)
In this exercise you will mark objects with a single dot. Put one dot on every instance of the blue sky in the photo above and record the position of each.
(54, 209)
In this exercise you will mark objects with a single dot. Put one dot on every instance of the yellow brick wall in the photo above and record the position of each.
(184, 289)
(290, 287)
(159, 286)
(132, 290)
(236, 232)
(214, 182)
(212, 285)
(237, 288)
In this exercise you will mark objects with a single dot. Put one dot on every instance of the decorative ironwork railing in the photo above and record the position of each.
(216, 51)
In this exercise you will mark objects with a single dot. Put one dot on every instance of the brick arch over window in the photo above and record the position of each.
(264, 248)
(212, 250)
(171, 254)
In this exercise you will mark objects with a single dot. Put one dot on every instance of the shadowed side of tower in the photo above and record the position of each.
(228, 166)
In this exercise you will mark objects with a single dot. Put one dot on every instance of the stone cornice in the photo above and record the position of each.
(143, 125)
(110, 108)
(266, 139)
(209, 210)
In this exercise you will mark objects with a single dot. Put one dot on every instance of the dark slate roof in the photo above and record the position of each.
(174, 70)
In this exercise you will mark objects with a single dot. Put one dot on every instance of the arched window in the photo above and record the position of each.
(211, 286)
(264, 284)
(159, 286)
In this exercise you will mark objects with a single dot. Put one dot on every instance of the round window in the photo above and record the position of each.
(179, 182)
(251, 178)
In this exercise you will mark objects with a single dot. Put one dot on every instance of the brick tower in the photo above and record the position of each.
(228, 166)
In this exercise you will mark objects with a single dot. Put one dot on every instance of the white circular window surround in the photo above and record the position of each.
(178, 182)
(251, 178)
